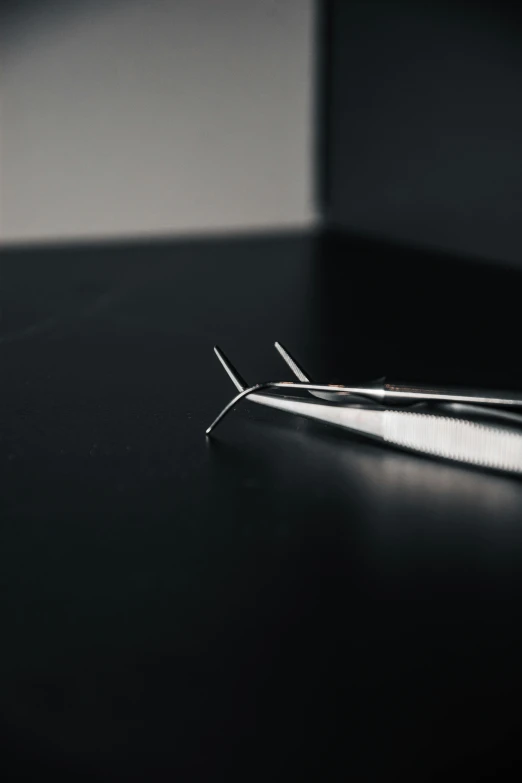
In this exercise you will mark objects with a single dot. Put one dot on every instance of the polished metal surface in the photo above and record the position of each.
(315, 410)
(337, 394)
(399, 394)
(470, 434)
(404, 394)
(238, 381)
(292, 363)
(303, 376)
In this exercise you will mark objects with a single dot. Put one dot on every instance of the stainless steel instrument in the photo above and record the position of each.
(474, 427)
(388, 393)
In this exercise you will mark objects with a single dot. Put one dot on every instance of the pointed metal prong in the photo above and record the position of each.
(233, 374)
(331, 396)
(291, 362)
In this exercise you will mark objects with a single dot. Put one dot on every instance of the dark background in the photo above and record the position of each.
(423, 123)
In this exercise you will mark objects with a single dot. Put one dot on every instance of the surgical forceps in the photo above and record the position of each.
(475, 427)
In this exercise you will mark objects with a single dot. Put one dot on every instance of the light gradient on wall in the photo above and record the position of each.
(154, 118)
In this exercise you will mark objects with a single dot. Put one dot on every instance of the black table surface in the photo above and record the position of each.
(282, 601)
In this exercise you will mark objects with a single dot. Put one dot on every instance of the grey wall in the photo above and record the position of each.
(125, 117)
(425, 123)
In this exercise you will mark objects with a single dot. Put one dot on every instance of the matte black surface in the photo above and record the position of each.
(424, 123)
(280, 602)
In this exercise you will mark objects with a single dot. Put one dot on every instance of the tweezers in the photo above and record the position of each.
(474, 427)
